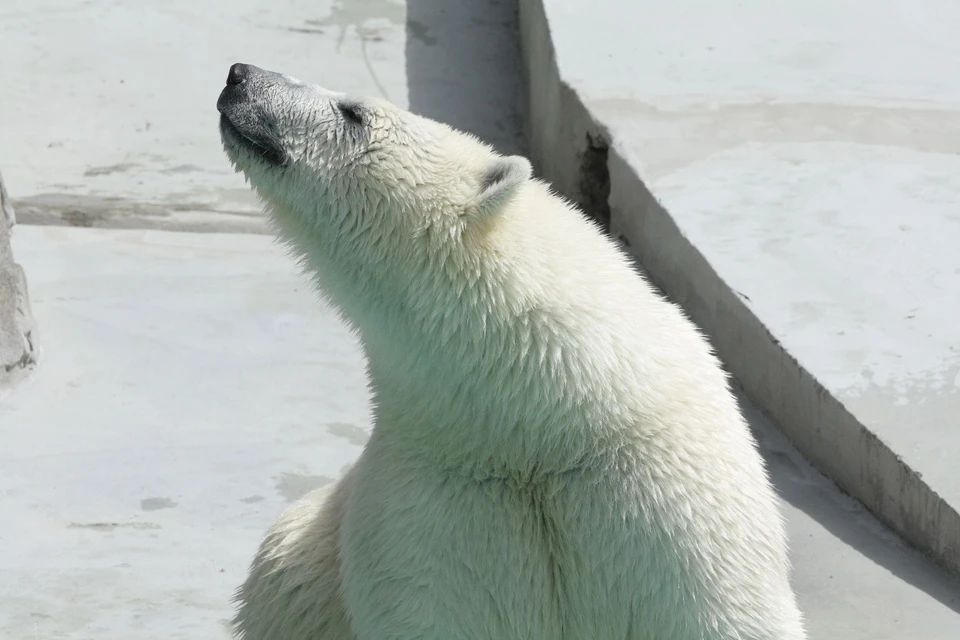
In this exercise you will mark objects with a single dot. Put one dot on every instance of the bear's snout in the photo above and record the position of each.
(245, 114)
(246, 86)
(241, 72)
(238, 73)
(237, 88)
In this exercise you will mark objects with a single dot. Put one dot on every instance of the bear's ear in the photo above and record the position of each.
(500, 181)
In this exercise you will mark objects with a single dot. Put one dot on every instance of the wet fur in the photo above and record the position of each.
(556, 453)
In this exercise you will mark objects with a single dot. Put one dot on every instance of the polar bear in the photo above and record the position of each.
(556, 453)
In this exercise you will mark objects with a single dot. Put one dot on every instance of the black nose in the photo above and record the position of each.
(238, 73)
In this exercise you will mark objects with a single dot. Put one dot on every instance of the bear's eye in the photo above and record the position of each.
(351, 111)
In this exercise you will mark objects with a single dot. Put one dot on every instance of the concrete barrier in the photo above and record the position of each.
(592, 150)
(16, 321)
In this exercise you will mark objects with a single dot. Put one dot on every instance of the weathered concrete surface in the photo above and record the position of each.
(115, 126)
(17, 350)
(789, 174)
(193, 387)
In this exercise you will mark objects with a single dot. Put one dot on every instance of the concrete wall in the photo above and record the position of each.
(579, 152)
(16, 321)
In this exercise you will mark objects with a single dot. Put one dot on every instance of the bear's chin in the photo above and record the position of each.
(241, 145)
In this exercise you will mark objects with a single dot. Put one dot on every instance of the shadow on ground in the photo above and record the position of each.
(463, 67)
(807, 490)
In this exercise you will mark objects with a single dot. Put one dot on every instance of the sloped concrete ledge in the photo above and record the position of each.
(565, 133)
(17, 350)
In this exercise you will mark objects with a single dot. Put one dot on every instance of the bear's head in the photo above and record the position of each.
(376, 199)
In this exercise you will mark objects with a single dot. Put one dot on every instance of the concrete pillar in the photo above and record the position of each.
(16, 321)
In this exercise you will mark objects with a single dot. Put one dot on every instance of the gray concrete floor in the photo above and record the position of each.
(191, 386)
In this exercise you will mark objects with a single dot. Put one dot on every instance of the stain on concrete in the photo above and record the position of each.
(109, 169)
(352, 433)
(419, 31)
(293, 486)
(311, 30)
(181, 168)
(63, 186)
(356, 13)
(708, 129)
(84, 210)
(110, 526)
(80, 218)
(371, 34)
(155, 504)
(252, 499)
(109, 212)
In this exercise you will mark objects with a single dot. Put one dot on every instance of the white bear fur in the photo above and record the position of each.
(556, 453)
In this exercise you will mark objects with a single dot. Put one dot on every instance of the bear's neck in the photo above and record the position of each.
(473, 373)
(476, 396)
